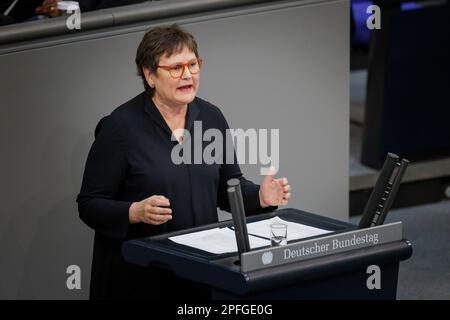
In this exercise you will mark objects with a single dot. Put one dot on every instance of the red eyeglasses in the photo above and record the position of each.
(176, 70)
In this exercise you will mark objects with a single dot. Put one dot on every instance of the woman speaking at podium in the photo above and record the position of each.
(131, 186)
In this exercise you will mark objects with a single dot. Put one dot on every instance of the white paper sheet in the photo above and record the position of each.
(217, 240)
(223, 240)
(295, 231)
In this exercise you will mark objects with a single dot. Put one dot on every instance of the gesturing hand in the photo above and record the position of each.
(152, 210)
(48, 8)
(274, 192)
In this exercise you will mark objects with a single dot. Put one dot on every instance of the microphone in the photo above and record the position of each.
(238, 214)
(384, 192)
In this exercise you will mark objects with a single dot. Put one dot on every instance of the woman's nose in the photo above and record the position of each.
(186, 73)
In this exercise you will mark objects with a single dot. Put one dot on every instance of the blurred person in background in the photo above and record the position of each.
(14, 11)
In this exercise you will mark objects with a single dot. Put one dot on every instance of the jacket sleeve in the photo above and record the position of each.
(250, 190)
(105, 170)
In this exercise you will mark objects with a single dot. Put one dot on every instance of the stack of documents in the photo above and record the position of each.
(223, 240)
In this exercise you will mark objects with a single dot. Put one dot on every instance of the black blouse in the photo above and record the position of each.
(129, 161)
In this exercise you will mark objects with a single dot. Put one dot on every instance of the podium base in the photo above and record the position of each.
(347, 286)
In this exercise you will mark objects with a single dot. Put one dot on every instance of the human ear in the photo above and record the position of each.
(149, 77)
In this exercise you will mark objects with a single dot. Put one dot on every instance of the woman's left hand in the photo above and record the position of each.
(274, 192)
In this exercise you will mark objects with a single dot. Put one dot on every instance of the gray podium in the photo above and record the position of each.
(288, 272)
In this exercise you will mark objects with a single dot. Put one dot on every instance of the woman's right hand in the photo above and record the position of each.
(152, 210)
(48, 8)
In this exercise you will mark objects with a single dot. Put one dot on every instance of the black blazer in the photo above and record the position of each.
(129, 161)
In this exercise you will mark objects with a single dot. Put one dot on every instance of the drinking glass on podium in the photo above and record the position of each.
(278, 234)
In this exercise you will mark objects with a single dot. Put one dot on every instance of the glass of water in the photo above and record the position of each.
(278, 234)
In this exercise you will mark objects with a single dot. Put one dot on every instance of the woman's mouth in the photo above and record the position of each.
(186, 88)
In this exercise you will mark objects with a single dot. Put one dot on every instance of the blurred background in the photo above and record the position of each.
(342, 95)
(399, 103)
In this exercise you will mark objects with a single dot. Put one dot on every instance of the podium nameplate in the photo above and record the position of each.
(321, 246)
